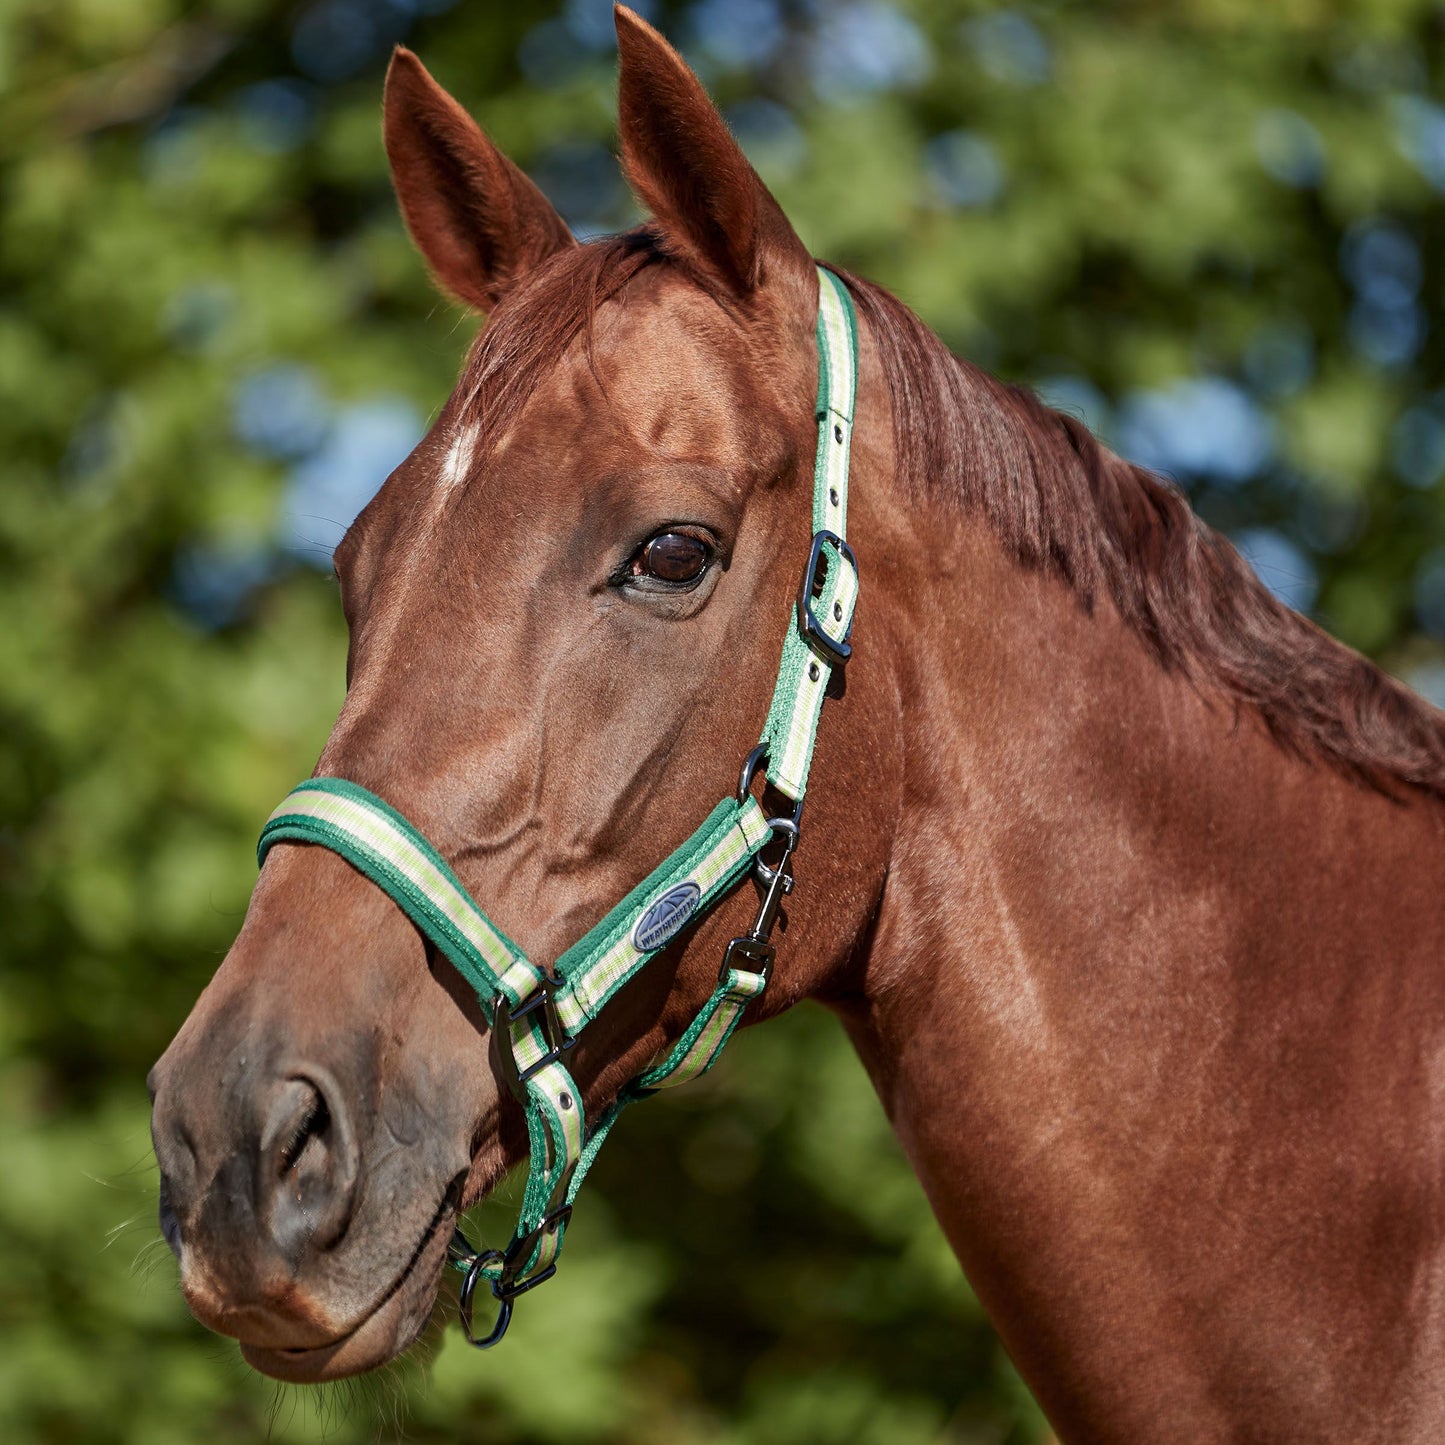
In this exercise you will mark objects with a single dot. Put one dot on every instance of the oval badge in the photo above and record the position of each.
(665, 917)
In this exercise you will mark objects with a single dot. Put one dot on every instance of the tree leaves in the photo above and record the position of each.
(1210, 209)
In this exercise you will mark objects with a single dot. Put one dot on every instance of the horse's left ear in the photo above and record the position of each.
(480, 223)
(685, 166)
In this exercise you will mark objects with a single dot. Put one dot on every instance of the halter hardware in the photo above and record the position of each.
(836, 651)
(460, 1248)
(537, 1012)
(753, 951)
(504, 1284)
(558, 1040)
(754, 760)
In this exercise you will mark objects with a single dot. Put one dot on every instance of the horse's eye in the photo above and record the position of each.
(674, 558)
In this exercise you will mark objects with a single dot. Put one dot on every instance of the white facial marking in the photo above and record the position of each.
(383, 629)
(458, 461)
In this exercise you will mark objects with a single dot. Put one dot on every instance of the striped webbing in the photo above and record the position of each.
(384, 846)
(804, 672)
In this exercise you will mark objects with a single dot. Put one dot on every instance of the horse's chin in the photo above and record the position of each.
(391, 1328)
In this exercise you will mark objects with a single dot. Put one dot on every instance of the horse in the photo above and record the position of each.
(1123, 878)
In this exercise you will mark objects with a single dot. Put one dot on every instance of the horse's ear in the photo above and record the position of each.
(480, 223)
(687, 169)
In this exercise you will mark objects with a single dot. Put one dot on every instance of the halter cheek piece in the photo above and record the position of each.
(536, 1014)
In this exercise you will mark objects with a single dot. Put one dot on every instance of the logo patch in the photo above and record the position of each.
(666, 917)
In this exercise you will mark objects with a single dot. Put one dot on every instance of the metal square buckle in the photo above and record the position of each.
(557, 1039)
(833, 652)
(514, 1261)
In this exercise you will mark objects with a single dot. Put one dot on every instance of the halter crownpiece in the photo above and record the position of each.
(537, 1014)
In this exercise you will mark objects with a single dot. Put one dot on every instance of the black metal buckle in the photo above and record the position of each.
(520, 1251)
(557, 1039)
(834, 653)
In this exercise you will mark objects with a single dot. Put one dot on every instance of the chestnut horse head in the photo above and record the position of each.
(1152, 994)
(565, 612)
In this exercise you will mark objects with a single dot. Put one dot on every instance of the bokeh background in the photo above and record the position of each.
(1212, 227)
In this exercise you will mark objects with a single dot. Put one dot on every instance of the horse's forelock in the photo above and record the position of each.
(531, 331)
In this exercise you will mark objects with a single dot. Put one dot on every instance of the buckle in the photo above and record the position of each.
(514, 1261)
(833, 652)
(558, 1041)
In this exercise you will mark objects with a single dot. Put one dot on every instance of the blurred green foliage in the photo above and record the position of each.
(1213, 226)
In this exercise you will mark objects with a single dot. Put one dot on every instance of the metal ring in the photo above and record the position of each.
(464, 1301)
(750, 770)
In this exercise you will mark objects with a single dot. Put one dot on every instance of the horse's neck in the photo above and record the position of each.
(1156, 1010)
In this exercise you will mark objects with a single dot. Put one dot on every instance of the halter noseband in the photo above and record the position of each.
(536, 1014)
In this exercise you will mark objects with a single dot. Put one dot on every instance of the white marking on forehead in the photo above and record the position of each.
(458, 461)
(384, 627)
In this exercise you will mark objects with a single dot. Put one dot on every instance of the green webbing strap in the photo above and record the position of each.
(377, 841)
(526, 1006)
(710, 862)
(698, 1049)
(804, 673)
(386, 848)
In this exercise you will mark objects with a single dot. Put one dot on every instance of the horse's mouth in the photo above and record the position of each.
(391, 1325)
(401, 1313)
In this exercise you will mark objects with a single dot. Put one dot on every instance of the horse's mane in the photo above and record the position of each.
(1059, 502)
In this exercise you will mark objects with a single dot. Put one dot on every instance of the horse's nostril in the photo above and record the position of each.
(307, 1165)
(310, 1120)
(170, 1225)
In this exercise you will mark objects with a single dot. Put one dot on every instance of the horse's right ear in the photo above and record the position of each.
(480, 223)
(687, 169)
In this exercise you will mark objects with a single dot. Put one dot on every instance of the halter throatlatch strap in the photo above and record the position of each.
(536, 1014)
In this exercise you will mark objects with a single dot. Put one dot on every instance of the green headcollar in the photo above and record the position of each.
(536, 1014)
